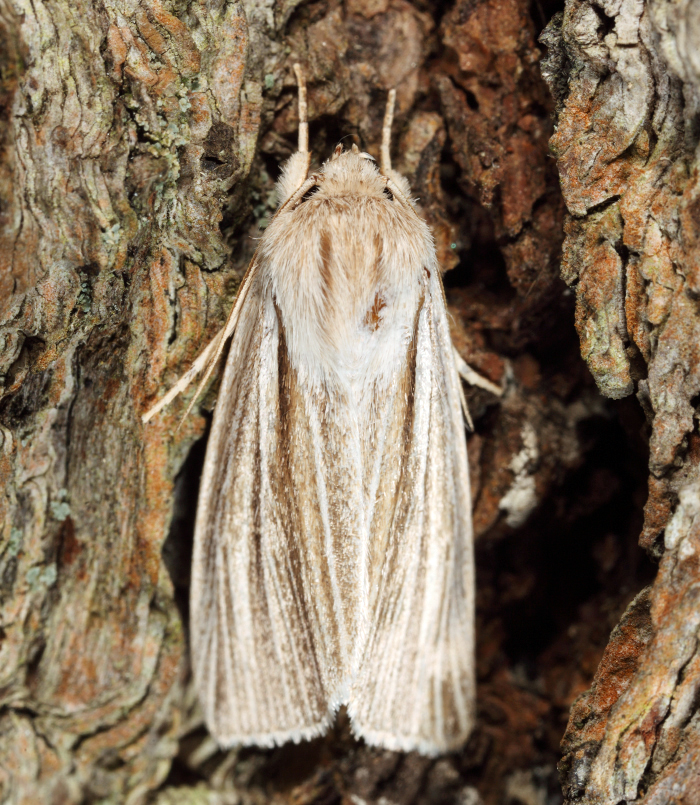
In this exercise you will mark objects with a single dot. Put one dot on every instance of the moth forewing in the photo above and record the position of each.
(333, 547)
(415, 686)
(252, 646)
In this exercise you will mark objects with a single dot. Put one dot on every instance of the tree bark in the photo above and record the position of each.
(139, 145)
(626, 78)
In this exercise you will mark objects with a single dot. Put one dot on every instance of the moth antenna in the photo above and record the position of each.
(386, 132)
(303, 111)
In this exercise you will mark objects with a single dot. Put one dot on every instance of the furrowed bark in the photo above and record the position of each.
(626, 81)
(138, 152)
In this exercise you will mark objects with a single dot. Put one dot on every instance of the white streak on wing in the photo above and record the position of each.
(237, 560)
(322, 492)
(227, 655)
(427, 613)
(420, 436)
(465, 601)
(359, 635)
(211, 649)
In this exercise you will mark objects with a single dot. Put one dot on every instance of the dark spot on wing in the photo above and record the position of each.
(373, 318)
(379, 254)
(324, 250)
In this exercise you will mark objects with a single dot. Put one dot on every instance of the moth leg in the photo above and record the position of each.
(472, 377)
(465, 410)
(183, 382)
(209, 356)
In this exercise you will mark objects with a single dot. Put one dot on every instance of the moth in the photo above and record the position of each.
(333, 560)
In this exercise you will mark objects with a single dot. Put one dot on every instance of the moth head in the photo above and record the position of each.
(352, 172)
(339, 151)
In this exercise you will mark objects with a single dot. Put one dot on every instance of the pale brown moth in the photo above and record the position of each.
(333, 555)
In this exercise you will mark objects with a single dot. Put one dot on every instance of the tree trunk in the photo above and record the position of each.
(139, 145)
(626, 78)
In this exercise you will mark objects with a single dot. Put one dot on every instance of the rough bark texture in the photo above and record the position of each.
(139, 144)
(626, 79)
